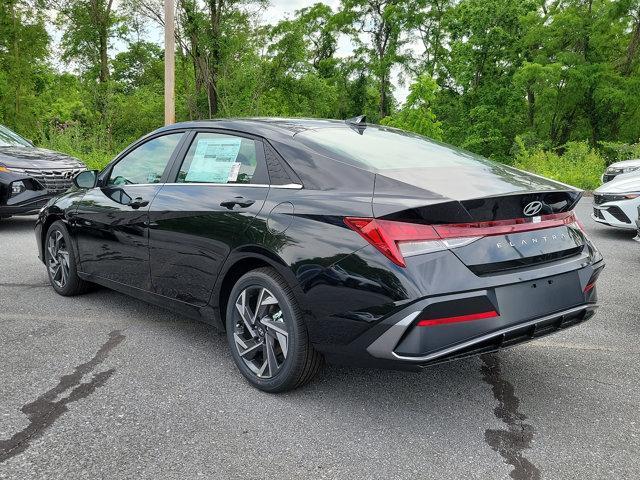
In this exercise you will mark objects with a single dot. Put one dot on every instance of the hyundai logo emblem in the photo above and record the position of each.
(532, 208)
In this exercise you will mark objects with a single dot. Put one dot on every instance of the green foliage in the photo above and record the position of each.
(617, 151)
(548, 86)
(579, 165)
(416, 116)
(95, 150)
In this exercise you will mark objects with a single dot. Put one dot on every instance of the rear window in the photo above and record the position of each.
(380, 148)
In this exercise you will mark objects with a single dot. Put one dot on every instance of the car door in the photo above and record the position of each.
(216, 191)
(111, 220)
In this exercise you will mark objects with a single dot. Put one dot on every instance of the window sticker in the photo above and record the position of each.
(214, 160)
(235, 171)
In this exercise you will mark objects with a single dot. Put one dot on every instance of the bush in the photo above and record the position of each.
(94, 150)
(579, 165)
(616, 151)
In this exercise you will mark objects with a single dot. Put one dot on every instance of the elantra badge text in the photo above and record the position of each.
(533, 240)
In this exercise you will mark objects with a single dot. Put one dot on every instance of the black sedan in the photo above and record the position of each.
(312, 240)
(30, 176)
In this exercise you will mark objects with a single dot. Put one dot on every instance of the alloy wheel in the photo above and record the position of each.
(260, 331)
(58, 259)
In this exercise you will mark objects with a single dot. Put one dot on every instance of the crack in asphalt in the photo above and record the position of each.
(45, 410)
(517, 437)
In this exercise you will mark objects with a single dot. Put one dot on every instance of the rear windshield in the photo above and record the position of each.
(381, 148)
(11, 139)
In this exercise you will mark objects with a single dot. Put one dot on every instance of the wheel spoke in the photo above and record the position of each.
(260, 372)
(248, 346)
(241, 306)
(51, 248)
(258, 305)
(65, 273)
(271, 356)
(56, 272)
(58, 240)
(278, 332)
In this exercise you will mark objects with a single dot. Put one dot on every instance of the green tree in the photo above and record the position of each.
(376, 28)
(23, 51)
(416, 115)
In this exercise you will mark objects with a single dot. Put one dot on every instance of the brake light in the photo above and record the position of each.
(592, 281)
(457, 319)
(387, 236)
(397, 240)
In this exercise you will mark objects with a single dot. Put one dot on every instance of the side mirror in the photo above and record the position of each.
(86, 179)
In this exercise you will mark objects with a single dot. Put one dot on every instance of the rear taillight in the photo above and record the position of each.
(397, 240)
(592, 281)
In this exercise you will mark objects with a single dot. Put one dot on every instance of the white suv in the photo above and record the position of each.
(616, 202)
(620, 168)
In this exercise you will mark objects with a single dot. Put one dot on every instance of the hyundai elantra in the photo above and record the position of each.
(313, 240)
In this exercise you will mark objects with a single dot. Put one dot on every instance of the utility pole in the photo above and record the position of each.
(169, 63)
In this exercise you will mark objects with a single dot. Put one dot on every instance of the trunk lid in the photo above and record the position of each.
(506, 199)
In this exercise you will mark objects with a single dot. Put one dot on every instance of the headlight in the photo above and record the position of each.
(629, 169)
(4, 168)
(17, 188)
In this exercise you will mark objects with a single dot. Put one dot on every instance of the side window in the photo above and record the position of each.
(219, 158)
(146, 163)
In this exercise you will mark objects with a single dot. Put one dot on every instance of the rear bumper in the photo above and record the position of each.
(505, 337)
(524, 311)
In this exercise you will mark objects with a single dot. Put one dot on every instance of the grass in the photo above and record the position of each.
(579, 165)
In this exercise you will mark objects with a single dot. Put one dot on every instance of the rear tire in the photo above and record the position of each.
(269, 341)
(60, 260)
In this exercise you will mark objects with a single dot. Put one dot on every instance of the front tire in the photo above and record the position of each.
(61, 263)
(267, 334)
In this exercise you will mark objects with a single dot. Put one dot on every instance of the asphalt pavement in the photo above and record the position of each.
(105, 386)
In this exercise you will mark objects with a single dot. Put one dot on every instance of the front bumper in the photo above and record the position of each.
(622, 214)
(29, 201)
(524, 311)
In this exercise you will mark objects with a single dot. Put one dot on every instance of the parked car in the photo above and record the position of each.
(620, 168)
(616, 202)
(30, 176)
(307, 240)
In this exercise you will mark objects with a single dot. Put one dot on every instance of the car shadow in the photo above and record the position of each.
(17, 224)
(441, 386)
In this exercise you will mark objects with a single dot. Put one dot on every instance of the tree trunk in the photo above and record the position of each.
(384, 100)
(632, 49)
(104, 57)
(16, 62)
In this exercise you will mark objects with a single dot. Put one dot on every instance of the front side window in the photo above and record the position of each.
(146, 163)
(219, 158)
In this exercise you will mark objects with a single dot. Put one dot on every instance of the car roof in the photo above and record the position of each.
(286, 127)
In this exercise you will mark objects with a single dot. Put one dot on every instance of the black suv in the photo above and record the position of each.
(30, 176)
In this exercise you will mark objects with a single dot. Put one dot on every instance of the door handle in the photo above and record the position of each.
(240, 201)
(138, 202)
